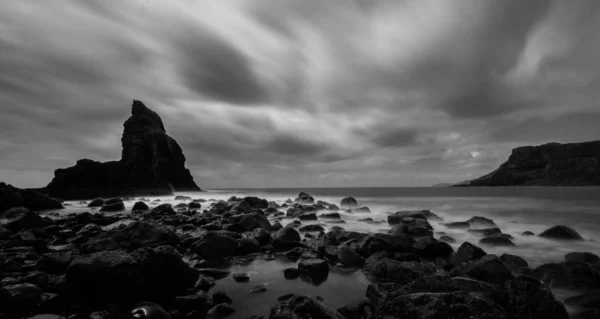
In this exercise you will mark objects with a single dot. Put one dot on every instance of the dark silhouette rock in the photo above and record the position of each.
(561, 232)
(152, 163)
(363, 309)
(552, 164)
(469, 252)
(585, 257)
(215, 245)
(221, 310)
(489, 269)
(331, 216)
(291, 273)
(97, 202)
(139, 207)
(315, 270)
(590, 300)
(255, 220)
(527, 298)
(513, 262)
(497, 240)
(113, 205)
(11, 196)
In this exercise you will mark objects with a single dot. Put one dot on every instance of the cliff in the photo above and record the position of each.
(552, 164)
(152, 163)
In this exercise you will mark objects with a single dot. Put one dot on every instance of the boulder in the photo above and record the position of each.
(315, 270)
(296, 307)
(307, 216)
(469, 252)
(497, 240)
(98, 202)
(214, 245)
(19, 218)
(219, 311)
(527, 298)
(428, 305)
(370, 245)
(513, 262)
(348, 257)
(447, 239)
(479, 221)
(140, 234)
(431, 248)
(291, 273)
(11, 196)
(152, 163)
(380, 267)
(139, 207)
(119, 276)
(363, 309)
(113, 205)
(489, 269)
(311, 228)
(248, 246)
(458, 225)
(561, 232)
(162, 209)
(586, 257)
(304, 198)
(255, 220)
(348, 203)
(331, 215)
(262, 236)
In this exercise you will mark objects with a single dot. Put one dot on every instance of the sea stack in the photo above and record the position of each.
(152, 163)
(552, 164)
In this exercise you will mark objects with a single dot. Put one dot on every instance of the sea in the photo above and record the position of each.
(513, 209)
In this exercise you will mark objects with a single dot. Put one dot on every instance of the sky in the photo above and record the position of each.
(287, 93)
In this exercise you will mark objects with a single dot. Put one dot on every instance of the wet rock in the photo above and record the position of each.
(316, 270)
(348, 203)
(363, 309)
(479, 221)
(527, 298)
(139, 207)
(513, 262)
(413, 226)
(561, 232)
(527, 233)
(214, 245)
(311, 228)
(221, 310)
(361, 210)
(304, 198)
(241, 277)
(586, 257)
(194, 205)
(98, 202)
(380, 267)
(489, 269)
(287, 234)
(21, 298)
(370, 245)
(248, 246)
(431, 248)
(469, 252)
(113, 205)
(456, 304)
(291, 273)
(162, 209)
(307, 216)
(19, 218)
(348, 257)
(221, 297)
(195, 302)
(255, 220)
(295, 306)
(118, 276)
(330, 215)
(11, 196)
(262, 236)
(55, 263)
(140, 234)
(497, 240)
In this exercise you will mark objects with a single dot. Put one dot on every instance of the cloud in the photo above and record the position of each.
(298, 93)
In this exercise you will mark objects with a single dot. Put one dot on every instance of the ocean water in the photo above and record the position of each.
(514, 210)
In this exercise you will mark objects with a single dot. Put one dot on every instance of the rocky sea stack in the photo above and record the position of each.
(152, 163)
(552, 164)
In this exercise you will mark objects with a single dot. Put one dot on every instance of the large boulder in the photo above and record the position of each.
(215, 245)
(11, 196)
(458, 304)
(19, 218)
(348, 203)
(489, 269)
(469, 252)
(151, 163)
(527, 298)
(314, 270)
(152, 274)
(297, 307)
(381, 267)
(561, 232)
(255, 220)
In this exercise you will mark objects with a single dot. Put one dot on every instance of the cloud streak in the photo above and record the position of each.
(311, 93)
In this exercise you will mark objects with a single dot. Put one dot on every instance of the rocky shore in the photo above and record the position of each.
(159, 260)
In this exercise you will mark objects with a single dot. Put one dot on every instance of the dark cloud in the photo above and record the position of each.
(388, 135)
(215, 68)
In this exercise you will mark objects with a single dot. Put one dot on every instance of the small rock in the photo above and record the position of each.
(258, 289)
(221, 297)
(220, 311)
(561, 232)
(241, 277)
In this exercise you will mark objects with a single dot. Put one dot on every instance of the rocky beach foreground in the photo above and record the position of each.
(140, 258)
